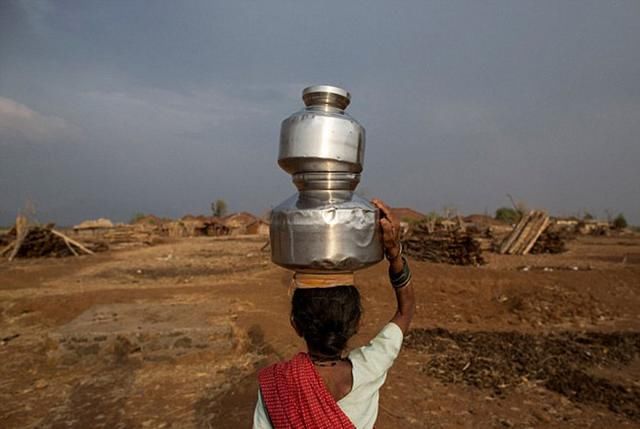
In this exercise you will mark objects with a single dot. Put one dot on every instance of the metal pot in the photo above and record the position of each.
(325, 227)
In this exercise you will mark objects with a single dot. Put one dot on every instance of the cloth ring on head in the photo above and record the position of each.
(312, 281)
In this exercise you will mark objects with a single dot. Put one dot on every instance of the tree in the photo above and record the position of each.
(219, 208)
(620, 222)
(508, 215)
(136, 217)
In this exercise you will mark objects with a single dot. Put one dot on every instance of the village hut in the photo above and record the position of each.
(593, 227)
(259, 227)
(93, 228)
(215, 227)
(238, 222)
(150, 220)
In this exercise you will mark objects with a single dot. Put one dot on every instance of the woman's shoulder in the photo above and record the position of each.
(373, 360)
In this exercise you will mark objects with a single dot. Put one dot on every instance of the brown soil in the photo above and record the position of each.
(494, 346)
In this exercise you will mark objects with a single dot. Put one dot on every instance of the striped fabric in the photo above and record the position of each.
(295, 397)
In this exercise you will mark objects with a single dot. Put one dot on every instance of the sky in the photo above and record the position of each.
(112, 108)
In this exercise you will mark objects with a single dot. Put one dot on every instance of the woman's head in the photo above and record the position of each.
(326, 317)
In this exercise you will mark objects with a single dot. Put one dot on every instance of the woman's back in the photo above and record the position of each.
(324, 388)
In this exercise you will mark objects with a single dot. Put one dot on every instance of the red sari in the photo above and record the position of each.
(295, 396)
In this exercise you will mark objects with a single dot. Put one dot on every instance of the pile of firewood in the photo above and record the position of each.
(428, 243)
(36, 241)
(549, 242)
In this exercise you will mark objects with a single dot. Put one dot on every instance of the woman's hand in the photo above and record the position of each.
(390, 231)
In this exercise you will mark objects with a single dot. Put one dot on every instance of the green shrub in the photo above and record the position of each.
(508, 215)
(136, 217)
(620, 222)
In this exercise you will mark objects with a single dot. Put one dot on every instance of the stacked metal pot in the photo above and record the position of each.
(325, 227)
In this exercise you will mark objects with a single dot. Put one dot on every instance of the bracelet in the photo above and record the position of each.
(401, 279)
(399, 253)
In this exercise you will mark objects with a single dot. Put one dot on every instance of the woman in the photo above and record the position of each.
(325, 387)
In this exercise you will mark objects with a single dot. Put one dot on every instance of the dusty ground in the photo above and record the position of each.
(172, 335)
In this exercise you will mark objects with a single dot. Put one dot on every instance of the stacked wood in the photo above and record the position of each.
(39, 241)
(130, 234)
(525, 234)
(549, 242)
(427, 241)
(8, 237)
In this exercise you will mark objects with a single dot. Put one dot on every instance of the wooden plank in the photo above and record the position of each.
(71, 247)
(527, 232)
(531, 233)
(544, 226)
(506, 245)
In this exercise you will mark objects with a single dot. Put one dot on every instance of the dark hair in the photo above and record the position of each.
(326, 317)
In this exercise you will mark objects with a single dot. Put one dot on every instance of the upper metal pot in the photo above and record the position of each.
(322, 137)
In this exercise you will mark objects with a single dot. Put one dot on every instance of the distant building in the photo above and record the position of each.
(259, 227)
(239, 222)
(90, 228)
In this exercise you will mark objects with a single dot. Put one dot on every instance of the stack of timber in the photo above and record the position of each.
(8, 237)
(525, 234)
(550, 242)
(39, 241)
(123, 235)
(428, 241)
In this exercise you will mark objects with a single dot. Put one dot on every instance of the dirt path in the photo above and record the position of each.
(480, 356)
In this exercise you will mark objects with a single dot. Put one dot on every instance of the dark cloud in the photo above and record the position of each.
(172, 105)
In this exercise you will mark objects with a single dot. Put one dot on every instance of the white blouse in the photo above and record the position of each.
(369, 366)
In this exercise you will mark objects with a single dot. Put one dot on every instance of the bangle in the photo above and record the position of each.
(401, 279)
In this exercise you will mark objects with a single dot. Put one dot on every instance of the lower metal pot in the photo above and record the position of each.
(322, 231)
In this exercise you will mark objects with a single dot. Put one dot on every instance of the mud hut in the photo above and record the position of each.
(93, 228)
(238, 223)
(259, 227)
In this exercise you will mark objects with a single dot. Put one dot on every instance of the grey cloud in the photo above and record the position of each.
(180, 103)
(20, 123)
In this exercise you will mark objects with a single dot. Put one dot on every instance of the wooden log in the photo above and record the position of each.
(70, 247)
(22, 229)
(9, 247)
(75, 243)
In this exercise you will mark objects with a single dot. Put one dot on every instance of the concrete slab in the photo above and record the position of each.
(151, 332)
